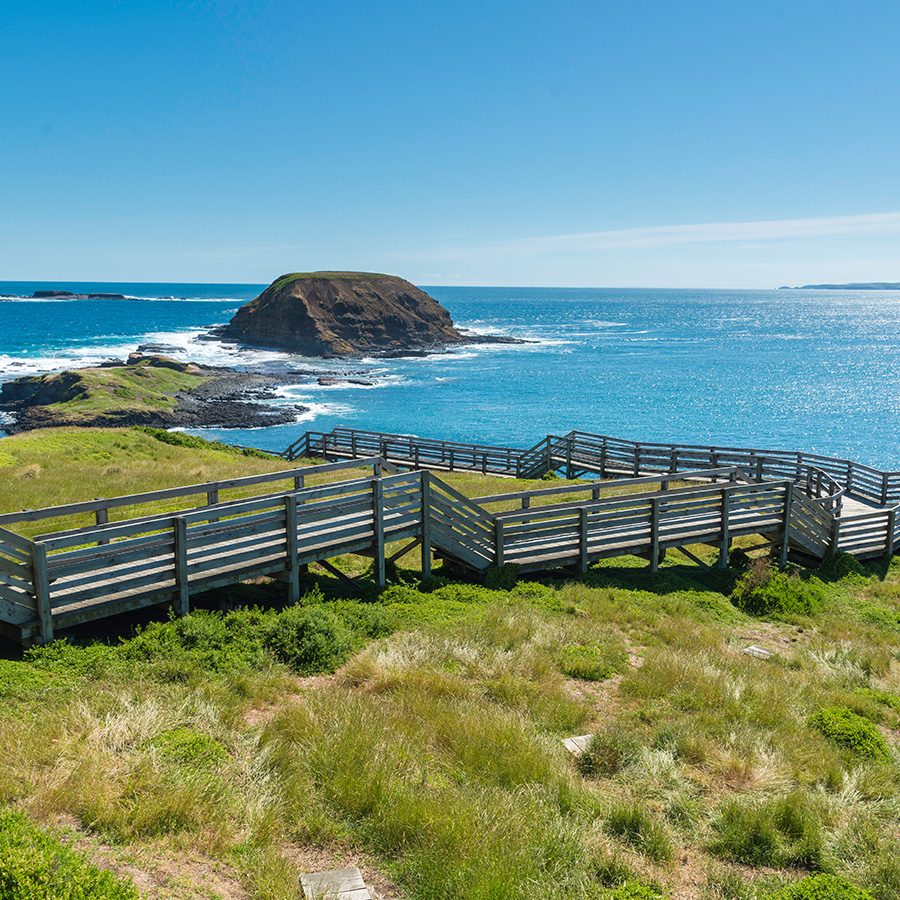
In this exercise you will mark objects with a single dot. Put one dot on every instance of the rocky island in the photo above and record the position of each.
(332, 314)
(146, 390)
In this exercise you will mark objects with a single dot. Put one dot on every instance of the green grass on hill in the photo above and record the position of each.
(137, 389)
(417, 732)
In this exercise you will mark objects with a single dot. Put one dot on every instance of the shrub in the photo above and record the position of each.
(886, 698)
(310, 639)
(851, 731)
(180, 439)
(63, 657)
(608, 752)
(193, 748)
(841, 565)
(633, 890)
(591, 662)
(822, 887)
(35, 865)
(636, 826)
(764, 591)
(781, 832)
(502, 578)
(19, 681)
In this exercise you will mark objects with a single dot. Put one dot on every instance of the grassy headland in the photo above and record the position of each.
(417, 733)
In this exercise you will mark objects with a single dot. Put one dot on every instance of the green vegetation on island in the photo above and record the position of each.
(417, 732)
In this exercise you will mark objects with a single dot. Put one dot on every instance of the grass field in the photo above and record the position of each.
(418, 733)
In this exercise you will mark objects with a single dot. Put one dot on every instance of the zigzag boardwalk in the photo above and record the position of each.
(75, 575)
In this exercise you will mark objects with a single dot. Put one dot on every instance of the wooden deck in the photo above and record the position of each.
(77, 574)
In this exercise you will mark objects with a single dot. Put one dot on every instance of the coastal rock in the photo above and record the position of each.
(342, 314)
(149, 390)
(68, 295)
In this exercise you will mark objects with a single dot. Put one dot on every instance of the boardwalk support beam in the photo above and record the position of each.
(725, 542)
(426, 525)
(378, 527)
(42, 591)
(290, 547)
(183, 598)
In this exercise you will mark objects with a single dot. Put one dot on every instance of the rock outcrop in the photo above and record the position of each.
(343, 314)
(147, 390)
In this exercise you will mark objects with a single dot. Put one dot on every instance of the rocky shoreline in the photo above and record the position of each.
(216, 398)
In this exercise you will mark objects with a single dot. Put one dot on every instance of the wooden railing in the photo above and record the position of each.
(79, 572)
(823, 475)
(407, 450)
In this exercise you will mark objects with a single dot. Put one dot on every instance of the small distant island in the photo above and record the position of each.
(851, 286)
(342, 314)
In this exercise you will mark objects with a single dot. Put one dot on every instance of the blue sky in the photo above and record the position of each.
(565, 143)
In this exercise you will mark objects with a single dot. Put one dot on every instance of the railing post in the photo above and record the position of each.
(603, 458)
(498, 542)
(183, 600)
(849, 484)
(569, 458)
(41, 583)
(299, 481)
(637, 460)
(595, 492)
(884, 488)
(725, 541)
(291, 548)
(785, 539)
(759, 468)
(101, 517)
(582, 540)
(891, 527)
(654, 534)
(835, 534)
(212, 498)
(426, 524)
(378, 531)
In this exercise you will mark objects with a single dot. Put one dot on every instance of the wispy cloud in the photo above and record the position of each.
(708, 232)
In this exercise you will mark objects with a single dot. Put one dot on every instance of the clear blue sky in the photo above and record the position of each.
(551, 143)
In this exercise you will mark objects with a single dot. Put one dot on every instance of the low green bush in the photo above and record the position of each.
(501, 578)
(633, 890)
(188, 746)
(766, 592)
(852, 732)
(608, 751)
(592, 662)
(838, 566)
(637, 827)
(886, 698)
(310, 639)
(822, 887)
(780, 833)
(20, 680)
(37, 866)
(192, 442)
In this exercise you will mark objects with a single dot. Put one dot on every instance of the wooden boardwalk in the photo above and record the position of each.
(77, 574)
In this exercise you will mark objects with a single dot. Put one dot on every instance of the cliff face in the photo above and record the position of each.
(341, 314)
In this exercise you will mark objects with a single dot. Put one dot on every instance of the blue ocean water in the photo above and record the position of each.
(784, 369)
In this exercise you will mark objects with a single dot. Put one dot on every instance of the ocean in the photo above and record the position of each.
(818, 371)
